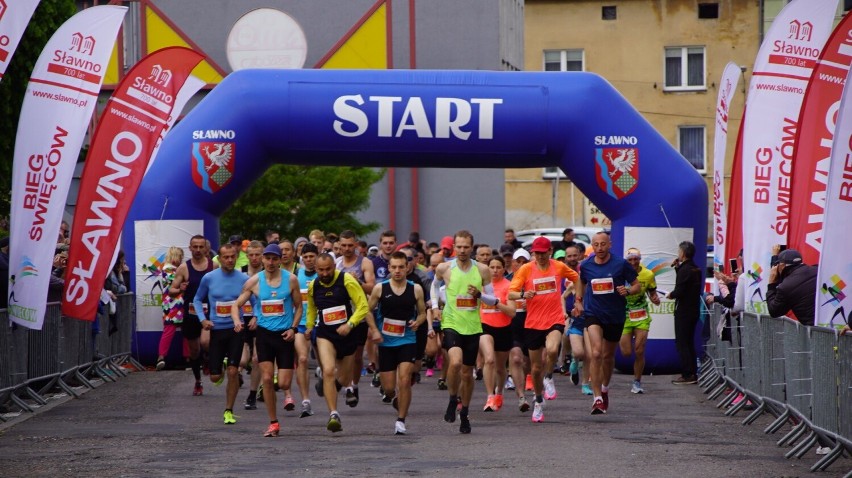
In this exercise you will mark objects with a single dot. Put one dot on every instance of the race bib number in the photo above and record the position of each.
(465, 302)
(247, 309)
(192, 308)
(393, 327)
(603, 286)
(304, 297)
(334, 315)
(544, 285)
(272, 307)
(637, 314)
(489, 309)
(223, 309)
(521, 305)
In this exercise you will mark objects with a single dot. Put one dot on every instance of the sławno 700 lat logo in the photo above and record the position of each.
(212, 165)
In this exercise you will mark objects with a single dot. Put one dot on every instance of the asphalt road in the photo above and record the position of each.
(149, 424)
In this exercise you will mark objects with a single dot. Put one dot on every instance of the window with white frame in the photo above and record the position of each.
(693, 146)
(685, 68)
(563, 60)
(553, 172)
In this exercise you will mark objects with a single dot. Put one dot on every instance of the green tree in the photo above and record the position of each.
(296, 199)
(47, 18)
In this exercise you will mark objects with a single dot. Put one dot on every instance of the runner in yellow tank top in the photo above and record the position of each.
(460, 324)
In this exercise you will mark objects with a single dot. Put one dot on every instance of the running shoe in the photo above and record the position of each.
(586, 389)
(351, 398)
(161, 364)
(376, 381)
(450, 414)
(574, 370)
(538, 412)
(489, 404)
(395, 403)
(220, 381)
(399, 428)
(549, 389)
(477, 374)
(442, 384)
(498, 401)
(306, 409)
(334, 424)
(289, 404)
(429, 372)
(371, 368)
(251, 403)
(240, 376)
(415, 378)
(529, 385)
(464, 426)
(318, 372)
(198, 390)
(273, 430)
(229, 417)
(318, 388)
(523, 404)
(637, 387)
(387, 398)
(598, 407)
(605, 396)
(510, 384)
(692, 379)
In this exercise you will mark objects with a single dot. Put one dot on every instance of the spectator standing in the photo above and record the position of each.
(510, 239)
(687, 296)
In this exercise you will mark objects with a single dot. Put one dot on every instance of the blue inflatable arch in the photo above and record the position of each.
(427, 119)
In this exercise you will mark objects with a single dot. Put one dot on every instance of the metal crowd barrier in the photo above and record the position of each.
(800, 375)
(64, 355)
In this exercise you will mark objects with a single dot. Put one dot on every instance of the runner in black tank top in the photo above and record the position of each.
(187, 280)
(400, 311)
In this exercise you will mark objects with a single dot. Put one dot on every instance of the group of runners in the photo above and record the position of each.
(478, 312)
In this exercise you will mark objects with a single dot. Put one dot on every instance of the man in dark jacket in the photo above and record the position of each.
(687, 295)
(792, 286)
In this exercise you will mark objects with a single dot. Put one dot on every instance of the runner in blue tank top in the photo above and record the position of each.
(279, 305)
(400, 310)
(307, 274)
(381, 264)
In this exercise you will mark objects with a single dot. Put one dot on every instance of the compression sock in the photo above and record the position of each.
(196, 368)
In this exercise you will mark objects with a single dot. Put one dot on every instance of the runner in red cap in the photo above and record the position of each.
(545, 323)
(447, 248)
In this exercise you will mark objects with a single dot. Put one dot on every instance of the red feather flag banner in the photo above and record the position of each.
(130, 128)
(813, 145)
